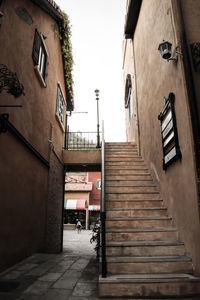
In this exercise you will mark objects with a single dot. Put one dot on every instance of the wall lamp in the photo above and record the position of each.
(165, 49)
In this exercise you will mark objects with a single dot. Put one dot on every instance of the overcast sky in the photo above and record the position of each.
(97, 35)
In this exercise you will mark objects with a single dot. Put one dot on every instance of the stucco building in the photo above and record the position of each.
(95, 195)
(31, 163)
(162, 101)
(82, 198)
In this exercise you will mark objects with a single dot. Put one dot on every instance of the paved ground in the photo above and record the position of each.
(71, 275)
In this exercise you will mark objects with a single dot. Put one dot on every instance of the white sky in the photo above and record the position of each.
(97, 35)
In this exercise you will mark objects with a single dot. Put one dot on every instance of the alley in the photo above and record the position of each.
(71, 275)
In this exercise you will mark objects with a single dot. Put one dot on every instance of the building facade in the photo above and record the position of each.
(77, 195)
(162, 103)
(95, 196)
(82, 198)
(31, 163)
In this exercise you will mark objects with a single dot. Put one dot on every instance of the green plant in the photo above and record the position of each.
(92, 219)
(96, 237)
(66, 48)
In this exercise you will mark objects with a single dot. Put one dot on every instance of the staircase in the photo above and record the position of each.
(144, 255)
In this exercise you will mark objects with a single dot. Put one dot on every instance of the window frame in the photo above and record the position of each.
(128, 98)
(58, 115)
(40, 58)
(130, 104)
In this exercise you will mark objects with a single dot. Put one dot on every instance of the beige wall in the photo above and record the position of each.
(156, 78)
(82, 157)
(128, 65)
(24, 179)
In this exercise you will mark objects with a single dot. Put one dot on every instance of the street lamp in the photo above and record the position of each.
(98, 137)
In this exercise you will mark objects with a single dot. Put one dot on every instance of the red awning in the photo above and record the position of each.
(76, 204)
(80, 204)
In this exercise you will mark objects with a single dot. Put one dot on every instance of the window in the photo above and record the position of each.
(40, 57)
(128, 97)
(129, 103)
(60, 106)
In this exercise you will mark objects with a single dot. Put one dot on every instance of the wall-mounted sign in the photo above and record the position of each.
(98, 184)
(170, 144)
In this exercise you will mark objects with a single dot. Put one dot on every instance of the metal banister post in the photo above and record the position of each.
(103, 209)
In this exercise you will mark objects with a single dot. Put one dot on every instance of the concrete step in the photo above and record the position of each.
(128, 149)
(128, 176)
(122, 158)
(124, 164)
(129, 170)
(131, 188)
(142, 234)
(122, 151)
(121, 145)
(131, 195)
(117, 164)
(133, 182)
(121, 155)
(158, 286)
(134, 204)
(138, 222)
(156, 264)
(136, 212)
(120, 148)
(145, 248)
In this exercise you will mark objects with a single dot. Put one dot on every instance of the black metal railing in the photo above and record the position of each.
(82, 140)
(103, 208)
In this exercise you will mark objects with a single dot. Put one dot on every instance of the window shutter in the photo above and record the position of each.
(36, 47)
(46, 69)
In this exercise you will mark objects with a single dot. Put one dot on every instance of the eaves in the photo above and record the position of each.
(131, 18)
(51, 8)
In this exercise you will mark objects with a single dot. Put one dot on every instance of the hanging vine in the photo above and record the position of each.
(66, 48)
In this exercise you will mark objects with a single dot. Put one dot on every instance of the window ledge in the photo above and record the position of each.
(40, 78)
(59, 122)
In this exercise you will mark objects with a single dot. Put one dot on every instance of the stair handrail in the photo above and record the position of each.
(103, 209)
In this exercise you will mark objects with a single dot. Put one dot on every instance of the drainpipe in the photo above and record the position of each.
(62, 217)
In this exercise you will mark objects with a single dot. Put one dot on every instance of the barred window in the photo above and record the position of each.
(60, 106)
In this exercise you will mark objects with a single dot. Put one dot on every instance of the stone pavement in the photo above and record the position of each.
(71, 275)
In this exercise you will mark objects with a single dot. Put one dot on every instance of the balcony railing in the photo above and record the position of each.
(82, 140)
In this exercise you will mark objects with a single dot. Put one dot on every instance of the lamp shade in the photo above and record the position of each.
(165, 49)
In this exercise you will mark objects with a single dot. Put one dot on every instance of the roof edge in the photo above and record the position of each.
(51, 8)
(132, 18)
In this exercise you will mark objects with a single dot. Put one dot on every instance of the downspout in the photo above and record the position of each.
(63, 203)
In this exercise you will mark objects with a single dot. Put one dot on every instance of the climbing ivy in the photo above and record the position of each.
(66, 48)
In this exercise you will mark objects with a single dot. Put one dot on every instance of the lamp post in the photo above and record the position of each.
(98, 136)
